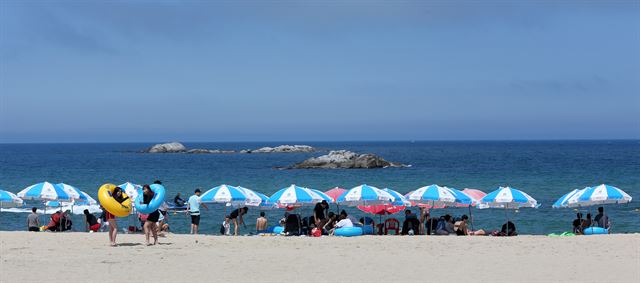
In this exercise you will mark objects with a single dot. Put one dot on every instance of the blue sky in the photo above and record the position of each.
(72, 71)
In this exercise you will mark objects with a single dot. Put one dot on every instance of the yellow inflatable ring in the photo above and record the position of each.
(110, 204)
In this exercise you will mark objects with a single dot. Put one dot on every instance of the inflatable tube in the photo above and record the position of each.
(595, 231)
(278, 229)
(156, 201)
(110, 204)
(348, 231)
(367, 230)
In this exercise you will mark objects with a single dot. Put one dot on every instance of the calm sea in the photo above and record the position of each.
(544, 169)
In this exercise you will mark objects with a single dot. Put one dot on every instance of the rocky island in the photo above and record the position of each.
(176, 147)
(345, 159)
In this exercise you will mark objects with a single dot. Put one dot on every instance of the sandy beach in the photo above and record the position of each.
(82, 257)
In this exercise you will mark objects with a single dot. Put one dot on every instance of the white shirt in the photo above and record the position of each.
(344, 223)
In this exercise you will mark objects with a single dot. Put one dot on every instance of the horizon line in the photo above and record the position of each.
(326, 141)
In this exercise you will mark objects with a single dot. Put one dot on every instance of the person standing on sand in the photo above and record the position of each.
(153, 217)
(236, 216)
(113, 223)
(33, 221)
(193, 208)
(261, 223)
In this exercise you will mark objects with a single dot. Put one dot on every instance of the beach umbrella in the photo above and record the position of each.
(253, 199)
(436, 196)
(462, 199)
(335, 193)
(508, 198)
(398, 199)
(476, 196)
(132, 190)
(265, 203)
(295, 196)
(9, 199)
(364, 195)
(564, 200)
(44, 191)
(224, 194)
(602, 194)
(324, 196)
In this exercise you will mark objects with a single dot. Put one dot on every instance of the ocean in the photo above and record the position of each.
(544, 169)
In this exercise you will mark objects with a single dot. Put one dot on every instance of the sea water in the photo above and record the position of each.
(544, 169)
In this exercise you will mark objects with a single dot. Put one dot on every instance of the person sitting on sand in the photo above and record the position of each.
(343, 223)
(577, 224)
(461, 226)
(445, 226)
(329, 223)
(236, 217)
(33, 221)
(54, 224)
(261, 223)
(411, 224)
(91, 222)
(587, 222)
(508, 229)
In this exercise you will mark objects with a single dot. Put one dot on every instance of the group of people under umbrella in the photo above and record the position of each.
(365, 197)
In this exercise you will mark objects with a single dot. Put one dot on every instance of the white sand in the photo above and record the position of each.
(82, 257)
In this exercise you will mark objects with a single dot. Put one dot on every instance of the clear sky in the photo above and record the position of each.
(72, 71)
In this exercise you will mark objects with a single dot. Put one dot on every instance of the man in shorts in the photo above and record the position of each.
(193, 207)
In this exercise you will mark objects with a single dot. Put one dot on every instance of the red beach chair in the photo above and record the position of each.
(392, 224)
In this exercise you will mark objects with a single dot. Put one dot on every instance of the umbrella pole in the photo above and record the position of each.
(507, 217)
(471, 216)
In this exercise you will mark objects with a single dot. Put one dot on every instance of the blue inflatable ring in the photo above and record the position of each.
(278, 229)
(348, 231)
(155, 203)
(595, 231)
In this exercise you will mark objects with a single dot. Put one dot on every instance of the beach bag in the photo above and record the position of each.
(316, 232)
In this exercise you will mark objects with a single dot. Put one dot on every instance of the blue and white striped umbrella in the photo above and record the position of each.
(265, 203)
(224, 194)
(74, 192)
(365, 195)
(44, 191)
(461, 197)
(295, 196)
(9, 199)
(434, 195)
(508, 198)
(323, 195)
(132, 190)
(398, 199)
(564, 200)
(602, 194)
(253, 199)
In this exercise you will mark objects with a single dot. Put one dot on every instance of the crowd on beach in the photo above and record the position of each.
(322, 221)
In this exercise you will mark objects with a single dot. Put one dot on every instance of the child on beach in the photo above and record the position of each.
(225, 228)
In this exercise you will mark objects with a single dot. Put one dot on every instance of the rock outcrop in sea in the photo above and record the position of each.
(176, 147)
(345, 159)
(172, 147)
(281, 149)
